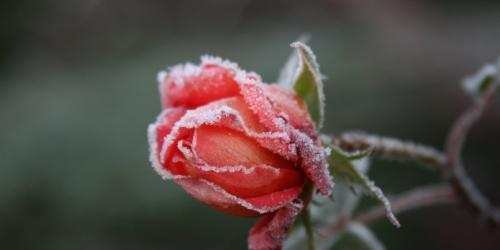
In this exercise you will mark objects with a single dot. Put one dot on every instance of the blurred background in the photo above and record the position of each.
(78, 89)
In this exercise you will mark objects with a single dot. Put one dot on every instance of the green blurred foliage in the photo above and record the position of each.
(77, 91)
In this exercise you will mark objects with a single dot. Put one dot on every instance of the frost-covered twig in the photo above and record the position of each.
(391, 148)
(455, 166)
(417, 198)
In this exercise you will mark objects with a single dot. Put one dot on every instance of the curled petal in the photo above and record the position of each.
(219, 114)
(270, 230)
(157, 133)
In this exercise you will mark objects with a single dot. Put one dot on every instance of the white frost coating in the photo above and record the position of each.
(280, 122)
(208, 59)
(328, 151)
(153, 149)
(180, 72)
(232, 66)
(194, 118)
(188, 154)
(314, 161)
(161, 76)
(472, 84)
(379, 195)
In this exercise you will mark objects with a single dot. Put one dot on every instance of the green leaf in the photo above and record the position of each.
(301, 73)
(357, 236)
(341, 166)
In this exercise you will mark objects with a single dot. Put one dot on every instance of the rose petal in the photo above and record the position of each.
(244, 181)
(191, 86)
(286, 101)
(221, 146)
(218, 114)
(254, 95)
(312, 156)
(216, 197)
(313, 162)
(157, 133)
(271, 230)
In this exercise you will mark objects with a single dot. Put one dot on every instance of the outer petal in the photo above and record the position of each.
(218, 198)
(274, 117)
(247, 182)
(313, 162)
(191, 86)
(270, 230)
(157, 133)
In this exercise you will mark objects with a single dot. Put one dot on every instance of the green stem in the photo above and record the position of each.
(306, 215)
(306, 219)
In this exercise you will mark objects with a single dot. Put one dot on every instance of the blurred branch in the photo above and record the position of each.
(413, 199)
(391, 148)
(455, 167)
(449, 163)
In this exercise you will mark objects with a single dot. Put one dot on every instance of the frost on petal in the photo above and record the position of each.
(270, 231)
(191, 85)
(218, 114)
(259, 103)
(313, 162)
(157, 133)
(312, 157)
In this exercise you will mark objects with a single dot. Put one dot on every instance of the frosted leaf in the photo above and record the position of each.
(308, 83)
(342, 166)
(288, 73)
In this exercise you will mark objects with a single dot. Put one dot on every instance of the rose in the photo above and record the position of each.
(238, 145)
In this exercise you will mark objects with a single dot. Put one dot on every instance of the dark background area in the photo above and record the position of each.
(78, 89)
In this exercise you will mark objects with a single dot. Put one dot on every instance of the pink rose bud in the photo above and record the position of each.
(238, 145)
